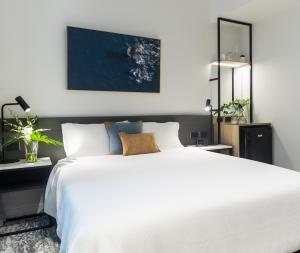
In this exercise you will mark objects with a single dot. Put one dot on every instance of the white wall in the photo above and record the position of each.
(33, 54)
(33, 60)
(277, 83)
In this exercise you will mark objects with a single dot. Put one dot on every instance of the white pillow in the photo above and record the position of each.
(166, 134)
(85, 139)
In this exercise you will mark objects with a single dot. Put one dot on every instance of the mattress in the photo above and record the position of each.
(182, 200)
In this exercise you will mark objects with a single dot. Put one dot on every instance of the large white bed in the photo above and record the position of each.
(183, 200)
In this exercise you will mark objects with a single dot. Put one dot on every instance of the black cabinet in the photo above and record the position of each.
(23, 176)
(256, 143)
(250, 141)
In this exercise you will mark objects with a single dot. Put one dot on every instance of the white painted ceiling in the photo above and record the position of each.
(250, 10)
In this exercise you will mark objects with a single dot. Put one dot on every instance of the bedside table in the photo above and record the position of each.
(22, 176)
(220, 148)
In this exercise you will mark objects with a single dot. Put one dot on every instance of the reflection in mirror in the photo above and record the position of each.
(235, 78)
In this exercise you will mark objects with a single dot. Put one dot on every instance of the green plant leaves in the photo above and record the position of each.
(25, 130)
(9, 139)
(235, 107)
(37, 136)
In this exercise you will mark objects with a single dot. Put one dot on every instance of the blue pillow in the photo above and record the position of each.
(114, 128)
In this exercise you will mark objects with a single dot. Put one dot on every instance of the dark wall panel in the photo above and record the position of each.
(188, 123)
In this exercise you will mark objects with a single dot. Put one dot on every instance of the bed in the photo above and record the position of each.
(182, 200)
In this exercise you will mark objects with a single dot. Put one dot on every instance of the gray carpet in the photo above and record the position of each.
(39, 241)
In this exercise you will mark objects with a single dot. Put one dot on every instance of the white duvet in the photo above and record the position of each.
(178, 201)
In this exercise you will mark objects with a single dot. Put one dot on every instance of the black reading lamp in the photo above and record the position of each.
(209, 108)
(21, 102)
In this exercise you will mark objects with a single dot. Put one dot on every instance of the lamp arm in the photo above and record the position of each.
(2, 125)
(2, 114)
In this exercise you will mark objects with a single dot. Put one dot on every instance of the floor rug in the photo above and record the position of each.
(38, 241)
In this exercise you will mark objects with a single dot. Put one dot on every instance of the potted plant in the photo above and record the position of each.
(235, 110)
(239, 106)
(26, 132)
(227, 112)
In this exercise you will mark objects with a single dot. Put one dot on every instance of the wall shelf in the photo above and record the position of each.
(230, 64)
(213, 79)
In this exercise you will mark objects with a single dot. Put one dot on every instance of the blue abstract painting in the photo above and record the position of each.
(108, 61)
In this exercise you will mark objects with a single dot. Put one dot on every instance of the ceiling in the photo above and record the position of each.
(250, 10)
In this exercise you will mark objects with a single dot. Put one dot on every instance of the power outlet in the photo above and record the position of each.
(203, 135)
(194, 135)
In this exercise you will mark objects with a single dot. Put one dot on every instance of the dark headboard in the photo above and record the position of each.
(187, 123)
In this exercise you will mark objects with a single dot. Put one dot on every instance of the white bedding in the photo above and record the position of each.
(178, 201)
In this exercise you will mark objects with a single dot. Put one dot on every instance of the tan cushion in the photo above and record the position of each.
(134, 144)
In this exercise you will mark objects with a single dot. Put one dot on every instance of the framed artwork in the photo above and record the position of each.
(106, 61)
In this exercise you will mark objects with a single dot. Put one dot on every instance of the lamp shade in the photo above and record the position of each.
(208, 105)
(23, 104)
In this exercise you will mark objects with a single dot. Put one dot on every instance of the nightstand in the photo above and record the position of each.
(220, 148)
(22, 176)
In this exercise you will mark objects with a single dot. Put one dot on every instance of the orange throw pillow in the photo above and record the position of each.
(134, 144)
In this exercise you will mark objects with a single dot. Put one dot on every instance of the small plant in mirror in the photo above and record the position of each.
(236, 110)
